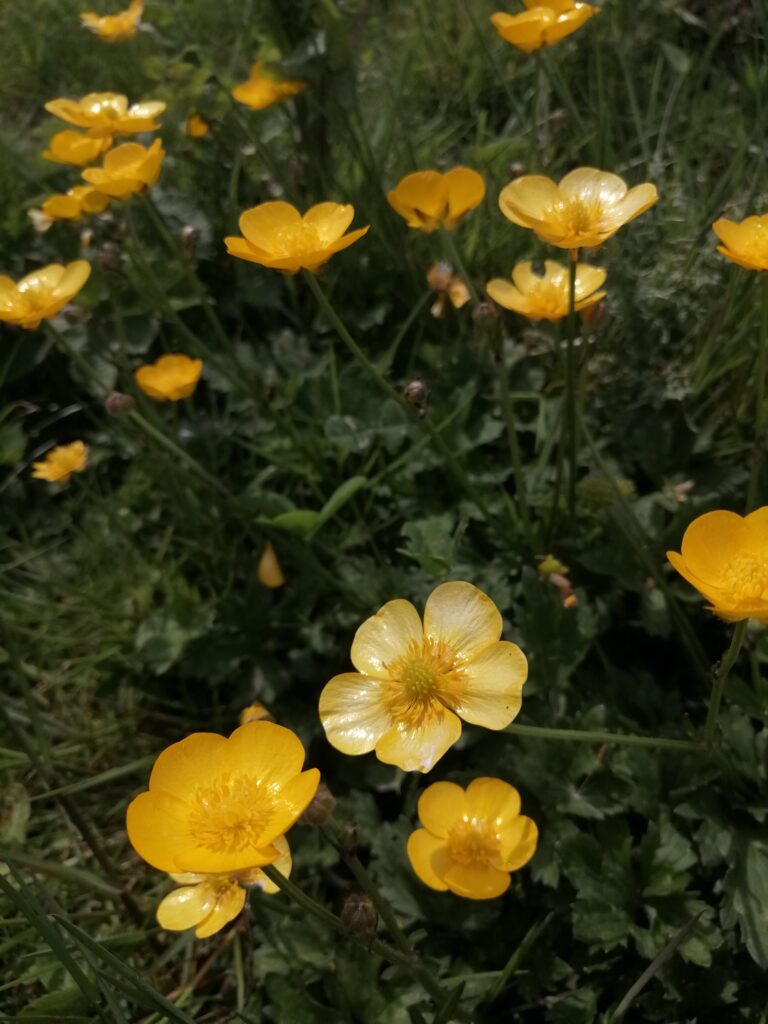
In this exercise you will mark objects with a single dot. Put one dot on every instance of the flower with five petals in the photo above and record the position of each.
(261, 90)
(170, 378)
(127, 169)
(428, 200)
(543, 23)
(106, 114)
(545, 297)
(75, 204)
(744, 242)
(114, 27)
(61, 462)
(42, 294)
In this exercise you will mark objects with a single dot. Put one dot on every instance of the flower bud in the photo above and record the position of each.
(359, 916)
(269, 572)
(109, 256)
(417, 394)
(118, 404)
(255, 712)
(347, 838)
(484, 314)
(321, 807)
(517, 168)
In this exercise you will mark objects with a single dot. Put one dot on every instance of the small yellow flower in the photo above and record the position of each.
(208, 902)
(428, 200)
(216, 805)
(543, 23)
(745, 242)
(545, 297)
(256, 712)
(42, 294)
(114, 27)
(414, 683)
(61, 462)
(269, 571)
(106, 114)
(196, 127)
(725, 557)
(471, 839)
(261, 90)
(75, 148)
(449, 288)
(127, 169)
(277, 236)
(170, 378)
(585, 209)
(75, 204)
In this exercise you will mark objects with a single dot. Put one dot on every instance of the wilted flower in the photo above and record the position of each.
(416, 682)
(585, 209)
(76, 148)
(725, 557)
(261, 90)
(543, 23)
(127, 169)
(745, 242)
(61, 462)
(170, 378)
(471, 839)
(106, 114)
(114, 27)
(195, 127)
(75, 204)
(545, 297)
(269, 571)
(449, 287)
(277, 236)
(429, 200)
(41, 294)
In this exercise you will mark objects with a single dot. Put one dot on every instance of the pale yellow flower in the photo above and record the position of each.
(545, 297)
(75, 204)
(114, 27)
(76, 148)
(42, 294)
(106, 114)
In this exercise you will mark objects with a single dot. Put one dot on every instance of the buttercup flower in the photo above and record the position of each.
(42, 294)
(75, 148)
(106, 114)
(255, 712)
(262, 90)
(216, 805)
(269, 571)
(471, 839)
(208, 902)
(725, 557)
(75, 204)
(169, 378)
(449, 288)
(745, 242)
(543, 23)
(414, 682)
(276, 235)
(585, 209)
(428, 200)
(127, 169)
(114, 27)
(546, 297)
(61, 462)
(196, 127)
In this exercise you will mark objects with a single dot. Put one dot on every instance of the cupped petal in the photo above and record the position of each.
(353, 712)
(588, 280)
(506, 295)
(466, 190)
(417, 748)
(518, 843)
(330, 220)
(192, 857)
(180, 768)
(756, 532)
(712, 592)
(186, 907)
(530, 198)
(568, 22)
(74, 277)
(735, 235)
(475, 882)
(346, 240)
(425, 191)
(291, 800)
(493, 800)
(157, 825)
(636, 201)
(283, 863)
(492, 694)
(265, 751)
(230, 901)
(243, 249)
(441, 805)
(429, 858)
(526, 30)
(524, 277)
(555, 273)
(263, 225)
(743, 261)
(590, 185)
(463, 618)
(386, 637)
(711, 542)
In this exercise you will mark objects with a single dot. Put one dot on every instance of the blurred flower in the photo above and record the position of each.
(75, 148)
(208, 902)
(269, 571)
(61, 462)
(170, 378)
(745, 242)
(127, 169)
(681, 491)
(725, 557)
(40, 222)
(261, 90)
(545, 297)
(549, 564)
(217, 805)
(255, 712)
(76, 203)
(416, 682)
(585, 209)
(471, 839)
(277, 236)
(448, 286)
(42, 294)
(196, 127)
(106, 114)
(114, 27)
(543, 23)
(429, 200)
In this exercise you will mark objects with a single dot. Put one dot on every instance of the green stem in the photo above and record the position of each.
(534, 157)
(718, 683)
(761, 405)
(569, 421)
(597, 736)
(455, 257)
(508, 412)
(178, 453)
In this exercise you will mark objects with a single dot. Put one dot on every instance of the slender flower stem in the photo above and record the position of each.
(718, 683)
(761, 404)
(178, 453)
(534, 152)
(570, 419)
(596, 736)
(455, 257)
(508, 412)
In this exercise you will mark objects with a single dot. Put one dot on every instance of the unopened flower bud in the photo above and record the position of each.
(559, 116)
(347, 838)
(359, 916)
(118, 404)
(255, 712)
(269, 572)
(484, 314)
(321, 807)
(417, 394)
(109, 256)
(189, 238)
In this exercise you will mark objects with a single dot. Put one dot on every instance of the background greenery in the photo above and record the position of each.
(132, 613)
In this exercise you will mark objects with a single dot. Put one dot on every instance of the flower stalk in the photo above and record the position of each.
(571, 382)
(761, 406)
(721, 677)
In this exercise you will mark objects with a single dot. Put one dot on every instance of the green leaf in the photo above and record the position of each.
(298, 520)
(14, 813)
(746, 896)
(339, 499)
(431, 543)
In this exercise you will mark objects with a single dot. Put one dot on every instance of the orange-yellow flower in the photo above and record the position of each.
(414, 683)
(725, 557)
(449, 288)
(196, 127)
(269, 572)
(114, 27)
(545, 297)
(106, 114)
(428, 200)
(208, 902)
(277, 236)
(255, 712)
(585, 209)
(744, 242)
(261, 90)
(42, 294)
(75, 148)
(216, 805)
(75, 204)
(127, 169)
(543, 23)
(61, 462)
(170, 378)
(471, 839)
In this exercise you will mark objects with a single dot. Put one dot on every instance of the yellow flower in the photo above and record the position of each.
(41, 294)
(208, 902)
(449, 288)
(256, 712)
(543, 23)
(75, 204)
(746, 243)
(61, 462)
(725, 557)
(414, 683)
(216, 805)
(269, 571)
(546, 297)
(471, 839)
(127, 169)
(114, 27)
(196, 127)
(261, 90)
(169, 378)
(585, 209)
(428, 200)
(106, 114)
(75, 148)
(276, 235)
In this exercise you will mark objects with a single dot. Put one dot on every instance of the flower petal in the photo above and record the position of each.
(429, 858)
(386, 637)
(330, 220)
(589, 185)
(506, 295)
(229, 903)
(493, 690)
(477, 883)
(636, 201)
(353, 713)
(531, 197)
(264, 751)
(494, 800)
(466, 190)
(180, 767)
(518, 843)
(425, 191)
(263, 224)
(419, 748)
(711, 542)
(158, 829)
(184, 908)
(463, 618)
(291, 802)
(441, 805)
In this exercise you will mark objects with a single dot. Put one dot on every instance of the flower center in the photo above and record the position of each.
(747, 578)
(230, 814)
(548, 300)
(427, 675)
(582, 216)
(473, 843)
(296, 240)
